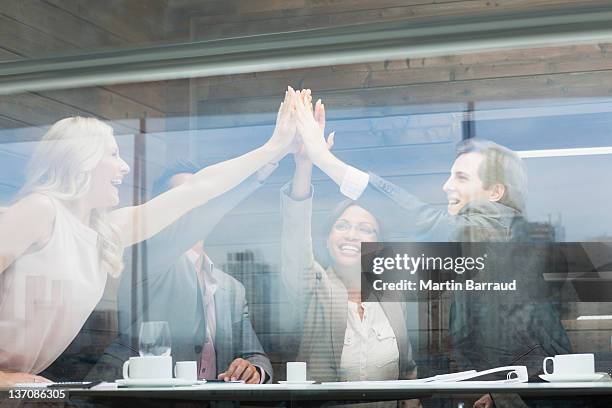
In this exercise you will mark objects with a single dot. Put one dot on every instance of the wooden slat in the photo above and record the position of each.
(280, 19)
(6, 55)
(24, 40)
(181, 12)
(511, 63)
(248, 10)
(493, 93)
(9, 123)
(535, 61)
(45, 108)
(151, 94)
(57, 23)
(285, 5)
(102, 103)
(36, 110)
(135, 21)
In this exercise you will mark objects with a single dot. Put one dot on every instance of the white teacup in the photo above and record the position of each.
(571, 364)
(296, 371)
(186, 370)
(148, 367)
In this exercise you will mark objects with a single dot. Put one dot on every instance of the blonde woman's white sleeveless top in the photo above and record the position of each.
(46, 296)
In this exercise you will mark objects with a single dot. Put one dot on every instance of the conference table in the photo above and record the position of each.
(316, 394)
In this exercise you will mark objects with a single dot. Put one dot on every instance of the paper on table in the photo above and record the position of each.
(106, 386)
(448, 377)
(516, 374)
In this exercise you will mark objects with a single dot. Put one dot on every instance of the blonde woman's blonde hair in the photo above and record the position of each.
(61, 167)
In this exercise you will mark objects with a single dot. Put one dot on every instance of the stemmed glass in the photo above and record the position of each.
(154, 339)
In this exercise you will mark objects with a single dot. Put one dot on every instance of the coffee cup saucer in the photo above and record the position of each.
(305, 382)
(575, 377)
(155, 382)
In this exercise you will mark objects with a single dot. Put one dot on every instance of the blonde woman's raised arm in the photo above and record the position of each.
(26, 224)
(143, 221)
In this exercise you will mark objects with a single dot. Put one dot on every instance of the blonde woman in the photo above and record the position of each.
(61, 238)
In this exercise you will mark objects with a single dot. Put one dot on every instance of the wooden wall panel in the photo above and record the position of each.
(53, 23)
(23, 40)
(279, 16)
(486, 65)
(35, 28)
(137, 22)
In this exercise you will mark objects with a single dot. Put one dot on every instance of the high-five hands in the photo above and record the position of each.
(284, 131)
(300, 128)
(311, 129)
(300, 154)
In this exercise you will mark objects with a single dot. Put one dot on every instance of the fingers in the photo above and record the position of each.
(330, 140)
(287, 104)
(484, 402)
(282, 109)
(307, 119)
(319, 114)
(38, 378)
(308, 100)
(239, 369)
(248, 373)
(255, 378)
(302, 112)
(231, 370)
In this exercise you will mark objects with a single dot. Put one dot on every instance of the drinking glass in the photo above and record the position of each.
(154, 339)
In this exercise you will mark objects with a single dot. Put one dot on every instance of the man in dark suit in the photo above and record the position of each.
(205, 308)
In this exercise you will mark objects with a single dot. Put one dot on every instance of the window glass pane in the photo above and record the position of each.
(401, 120)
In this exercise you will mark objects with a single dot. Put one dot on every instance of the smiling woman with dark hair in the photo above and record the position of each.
(343, 337)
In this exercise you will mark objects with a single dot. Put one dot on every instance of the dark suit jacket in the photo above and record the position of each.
(167, 289)
(485, 331)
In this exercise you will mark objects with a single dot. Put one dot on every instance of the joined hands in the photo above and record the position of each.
(300, 128)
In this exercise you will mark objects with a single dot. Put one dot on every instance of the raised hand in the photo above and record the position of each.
(285, 129)
(311, 127)
(300, 186)
(300, 156)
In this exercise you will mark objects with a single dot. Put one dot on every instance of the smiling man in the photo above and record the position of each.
(500, 179)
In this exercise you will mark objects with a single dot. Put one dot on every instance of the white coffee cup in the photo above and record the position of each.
(186, 370)
(571, 364)
(148, 367)
(296, 371)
